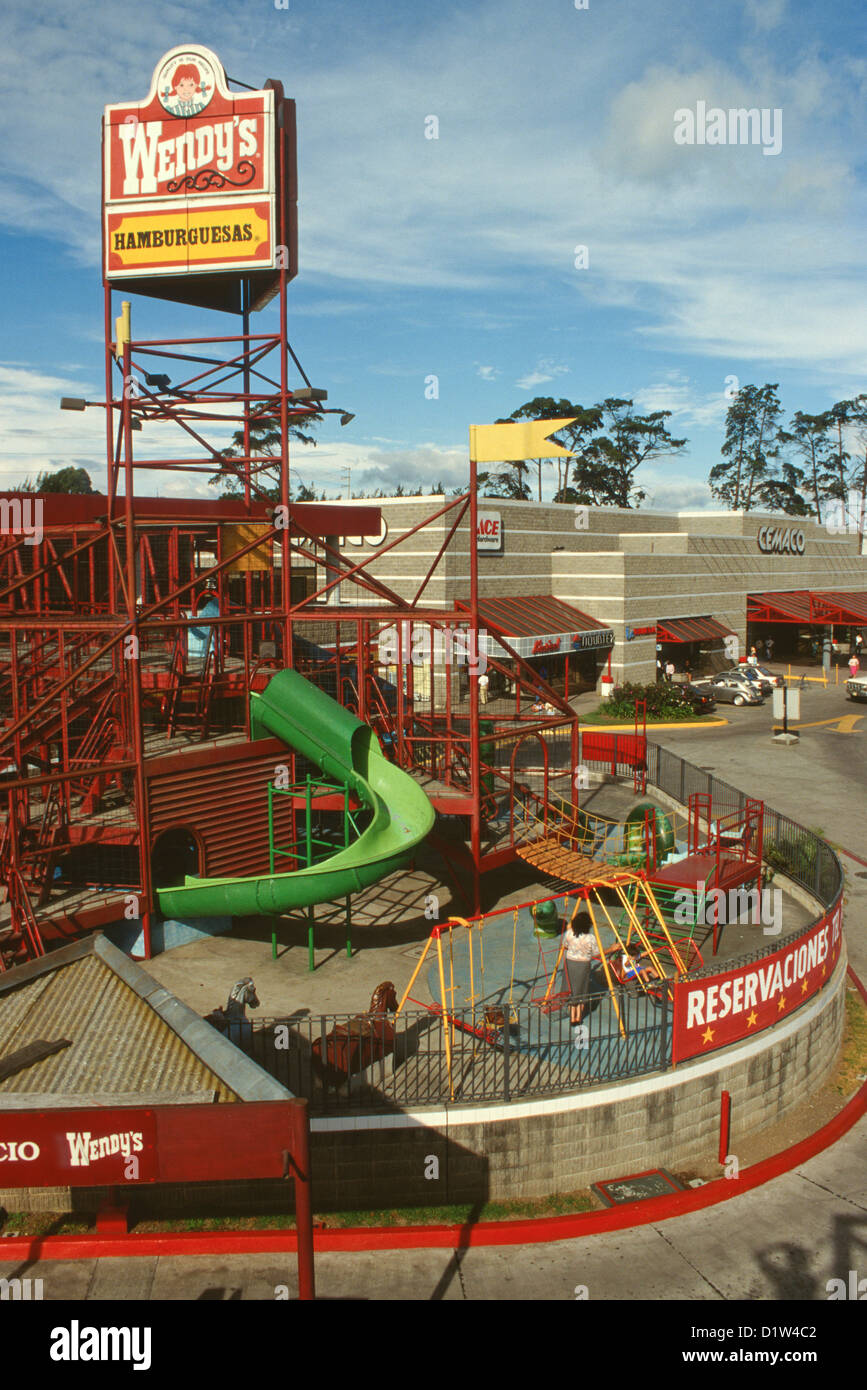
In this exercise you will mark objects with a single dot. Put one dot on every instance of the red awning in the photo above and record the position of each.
(691, 630)
(541, 625)
(839, 606)
(792, 607)
(809, 606)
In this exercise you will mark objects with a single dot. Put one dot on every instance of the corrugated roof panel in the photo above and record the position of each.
(691, 629)
(119, 1044)
(785, 607)
(848, 605)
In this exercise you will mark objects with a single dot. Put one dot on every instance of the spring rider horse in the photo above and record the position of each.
(231, 1020)
(352, 1046)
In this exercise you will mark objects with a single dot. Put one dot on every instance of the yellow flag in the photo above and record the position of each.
(521, 439)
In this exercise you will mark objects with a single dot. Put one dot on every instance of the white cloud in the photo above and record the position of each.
(546, 369)
(723, 251)
(766, 14)
(675, 492)
(675, 392)
(487, 373)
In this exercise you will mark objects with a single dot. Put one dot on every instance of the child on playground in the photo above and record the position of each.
(636, 969)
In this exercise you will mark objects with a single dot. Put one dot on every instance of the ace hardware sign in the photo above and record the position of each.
(191, 182)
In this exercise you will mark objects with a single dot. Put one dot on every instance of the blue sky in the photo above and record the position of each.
(455, 257)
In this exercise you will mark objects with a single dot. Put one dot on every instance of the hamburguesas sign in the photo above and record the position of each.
(191, 178)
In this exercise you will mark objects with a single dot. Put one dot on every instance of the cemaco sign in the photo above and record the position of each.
(189, 176)
(781, 540)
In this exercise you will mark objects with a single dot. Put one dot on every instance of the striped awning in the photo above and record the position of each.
(791, 607)
(839, 606)
(540, 625)
(809, 606)
(691, 630)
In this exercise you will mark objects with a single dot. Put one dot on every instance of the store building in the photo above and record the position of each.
(632, 586)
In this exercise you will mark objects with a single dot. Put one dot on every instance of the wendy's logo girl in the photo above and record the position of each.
(187, 90)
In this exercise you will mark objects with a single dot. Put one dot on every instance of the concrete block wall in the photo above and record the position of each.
(533, 1148)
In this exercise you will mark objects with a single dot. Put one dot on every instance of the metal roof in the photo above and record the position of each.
(809, 606)
(690, 629)
(839, 605)
(792, 607)
(129, 1036)
(536, 615)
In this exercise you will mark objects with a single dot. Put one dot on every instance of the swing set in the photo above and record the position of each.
(637, 954)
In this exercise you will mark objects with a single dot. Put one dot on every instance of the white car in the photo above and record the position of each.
(856, 687)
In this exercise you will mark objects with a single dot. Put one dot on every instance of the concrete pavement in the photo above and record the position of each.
(782, 1241)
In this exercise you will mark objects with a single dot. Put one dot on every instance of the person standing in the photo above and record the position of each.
(483, 689)
(859, 643)
(581, 951)
(854, 665)
(769, 647)
(669, 671)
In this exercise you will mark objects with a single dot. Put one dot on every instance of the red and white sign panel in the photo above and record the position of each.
(189, 177)
(176, 1143)
(490, 532)
(735, 1004)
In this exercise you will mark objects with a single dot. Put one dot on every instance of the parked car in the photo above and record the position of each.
(856, 687)
(701, 701)
(767, 674)
(729, 689)
(752, 674)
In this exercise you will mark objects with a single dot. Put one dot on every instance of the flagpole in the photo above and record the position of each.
(475, 759)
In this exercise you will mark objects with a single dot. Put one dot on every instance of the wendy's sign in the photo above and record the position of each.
(173, 1143)
(735, 1004)
(198, 180)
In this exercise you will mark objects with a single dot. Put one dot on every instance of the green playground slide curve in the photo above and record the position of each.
(348, 751)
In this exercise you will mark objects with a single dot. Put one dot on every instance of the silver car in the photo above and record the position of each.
(732, 690)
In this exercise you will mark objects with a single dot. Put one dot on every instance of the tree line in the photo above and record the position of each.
(811, 466)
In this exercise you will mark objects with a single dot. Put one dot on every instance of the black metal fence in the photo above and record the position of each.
(346, 1062)
(420, 1058)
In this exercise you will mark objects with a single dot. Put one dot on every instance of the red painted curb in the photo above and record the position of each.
(532, 1231)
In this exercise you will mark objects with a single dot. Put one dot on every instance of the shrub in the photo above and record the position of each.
(664, 701)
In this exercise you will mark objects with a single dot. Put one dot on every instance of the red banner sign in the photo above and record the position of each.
(735, 1004)
(177, 1143)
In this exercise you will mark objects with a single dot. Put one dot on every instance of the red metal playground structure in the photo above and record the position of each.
(143, 746)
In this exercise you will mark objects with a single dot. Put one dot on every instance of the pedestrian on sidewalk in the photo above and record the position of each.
(854, 665)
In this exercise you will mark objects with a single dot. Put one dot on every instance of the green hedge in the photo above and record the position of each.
(664, 701)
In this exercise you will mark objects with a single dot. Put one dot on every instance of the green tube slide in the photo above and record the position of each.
(306, 719)
(660, 824)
